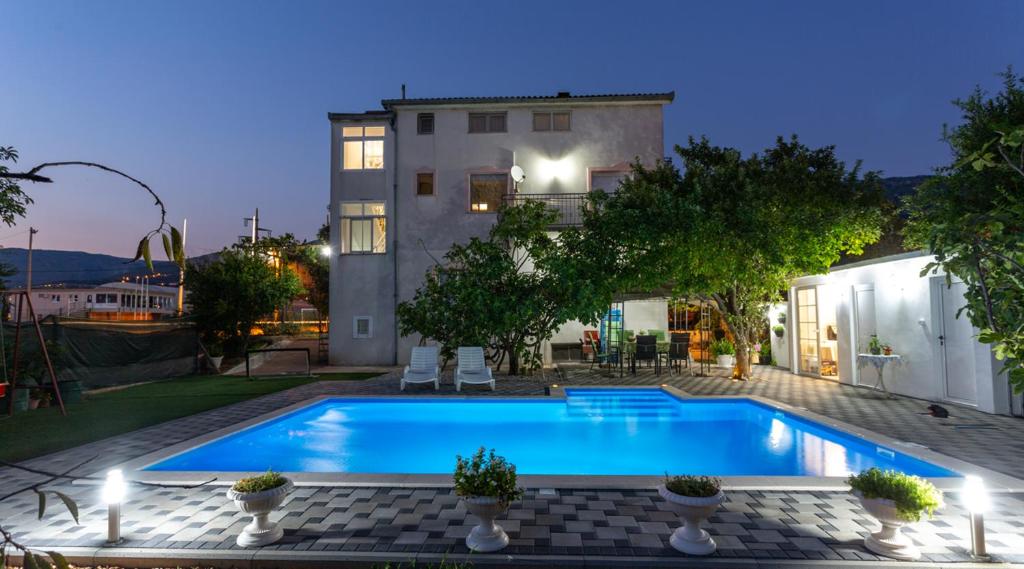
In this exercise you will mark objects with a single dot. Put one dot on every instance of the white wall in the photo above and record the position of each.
(780, 346)
(908, 318)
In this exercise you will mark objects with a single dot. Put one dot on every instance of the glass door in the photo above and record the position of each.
(807, 330)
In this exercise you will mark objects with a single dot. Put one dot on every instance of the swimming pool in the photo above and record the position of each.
(589, 432)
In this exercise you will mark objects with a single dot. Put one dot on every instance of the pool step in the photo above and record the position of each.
(654, 405)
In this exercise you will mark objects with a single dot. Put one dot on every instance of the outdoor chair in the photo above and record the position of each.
(598, 357)
(590, 339)
(646, 351)
(679, 351)
(422, 367)
(472, 368)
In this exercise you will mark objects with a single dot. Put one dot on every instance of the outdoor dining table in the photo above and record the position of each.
(629, 352)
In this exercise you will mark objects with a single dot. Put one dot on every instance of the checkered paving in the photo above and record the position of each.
(403, 522)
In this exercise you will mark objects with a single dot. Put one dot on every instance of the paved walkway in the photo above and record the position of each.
(576, 527)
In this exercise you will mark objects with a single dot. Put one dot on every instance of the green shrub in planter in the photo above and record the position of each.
(260, 483)
(780, 331)
(486, 475)
(722, 347)
(693, 486)
(911, 494)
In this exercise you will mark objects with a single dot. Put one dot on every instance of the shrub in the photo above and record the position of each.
(489, 475)
(779, 330)
(722, 347)
(693, 486)
(260, 483)
(911, 494)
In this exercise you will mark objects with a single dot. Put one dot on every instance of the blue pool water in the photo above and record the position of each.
(590, 432)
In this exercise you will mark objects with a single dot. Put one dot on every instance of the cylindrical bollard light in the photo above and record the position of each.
(113, 495)
(976, 500)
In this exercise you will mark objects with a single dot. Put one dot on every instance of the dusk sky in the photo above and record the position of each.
(221, 106)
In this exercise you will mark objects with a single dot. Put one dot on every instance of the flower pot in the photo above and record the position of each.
(887, 351)
(690, 538)
(888, 541)
(486, 536)
(33, 403)
(726, 360)
(215, 361)
(782, 319)
(70, 390)
(779, 332)
(261, 531)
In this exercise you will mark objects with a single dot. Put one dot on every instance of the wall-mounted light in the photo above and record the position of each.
(325, 250)
(114, 490)
(561, 169)
(976, 499)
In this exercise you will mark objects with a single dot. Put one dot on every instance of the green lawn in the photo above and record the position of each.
(39, 432)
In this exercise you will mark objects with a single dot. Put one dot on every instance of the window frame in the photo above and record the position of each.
(362, 139)
(433, 183)
(355, 328)
(342, 217)
(621, 168)
(469, 189)
(551, 121)
(487, 116)
(419, 123)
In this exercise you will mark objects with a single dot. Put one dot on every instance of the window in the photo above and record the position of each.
(557, 121)
(425, 184)
(425, 123)
(362, 148)
(363, 227)
(486, 122)
(607, 180)
(486, 191)
(362, 327)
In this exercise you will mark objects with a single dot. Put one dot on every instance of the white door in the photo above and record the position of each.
(956, 341)
(865, 325)
(807, 330)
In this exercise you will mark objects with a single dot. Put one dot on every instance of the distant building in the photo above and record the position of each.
(110, 301)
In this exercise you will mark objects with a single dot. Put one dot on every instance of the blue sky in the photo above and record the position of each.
(221, 106)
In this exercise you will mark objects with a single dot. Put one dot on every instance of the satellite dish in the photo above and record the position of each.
(517, 174)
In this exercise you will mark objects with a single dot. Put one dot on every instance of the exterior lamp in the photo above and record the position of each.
(976, 499)
(325, 250)
(114, 490)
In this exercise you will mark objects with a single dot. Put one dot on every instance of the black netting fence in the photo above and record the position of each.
(102, 354)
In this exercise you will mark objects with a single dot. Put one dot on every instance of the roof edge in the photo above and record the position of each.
(666, 97)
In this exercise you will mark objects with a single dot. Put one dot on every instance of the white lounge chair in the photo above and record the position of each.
(472, 369)
(422, 367)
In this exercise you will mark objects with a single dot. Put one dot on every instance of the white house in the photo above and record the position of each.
(110, 301)
(829, 320)
(409, 180)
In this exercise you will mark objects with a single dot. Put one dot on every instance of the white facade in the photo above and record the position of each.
(596, 140)
(831, 318)
(110, 301)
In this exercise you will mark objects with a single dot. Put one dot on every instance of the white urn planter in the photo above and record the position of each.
(261, 531)
(726, 361)
(486, 536)
(690, 538)
(888, 541)
(215, 361)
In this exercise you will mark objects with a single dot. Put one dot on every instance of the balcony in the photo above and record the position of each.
(568, 206)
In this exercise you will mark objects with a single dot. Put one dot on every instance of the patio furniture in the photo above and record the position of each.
(590, 340)
(678, 352)
(647, 351)
(878, 361)
(472, 368)
(422, 367)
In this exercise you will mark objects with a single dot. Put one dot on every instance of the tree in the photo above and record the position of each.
(971, 217)
(736, 230)
(508, 292)
(229, 295)
(307, 257)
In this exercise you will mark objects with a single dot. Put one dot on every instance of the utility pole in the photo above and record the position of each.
(28, 277)
(181, 270)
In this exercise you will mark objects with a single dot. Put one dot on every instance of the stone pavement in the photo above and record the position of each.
(631, 526)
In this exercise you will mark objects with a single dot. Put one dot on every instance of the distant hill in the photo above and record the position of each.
(78, 268)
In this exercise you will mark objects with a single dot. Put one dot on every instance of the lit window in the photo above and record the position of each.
(425, 123)
(486, 191)
(362, 147)
(363, 226)
(486, 122)
(557, 121)
(425, 184)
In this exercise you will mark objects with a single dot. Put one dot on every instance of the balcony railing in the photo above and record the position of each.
(568, 206)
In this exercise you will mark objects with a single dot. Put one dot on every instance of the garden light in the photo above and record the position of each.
(975, 498)
(114, 490)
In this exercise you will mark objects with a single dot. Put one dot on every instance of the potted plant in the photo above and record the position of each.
(875, 345)
(781, 318)
(887, 350)
(724, 352)
(779, 330)
(258, 496)
(216, 353)
(894, 499)
(695, 499)
(487, 484)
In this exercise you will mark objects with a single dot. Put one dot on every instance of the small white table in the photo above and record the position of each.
(878, 361)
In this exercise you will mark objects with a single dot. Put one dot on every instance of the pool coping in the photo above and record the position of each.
(995, 481)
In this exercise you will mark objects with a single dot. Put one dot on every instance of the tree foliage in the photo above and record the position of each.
(228, 296)
(733, 229)
(508, 292)
(14, 201)
(971, 216)
(308, 258)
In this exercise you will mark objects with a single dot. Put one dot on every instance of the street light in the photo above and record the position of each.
(114, 490)
(976, 499)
